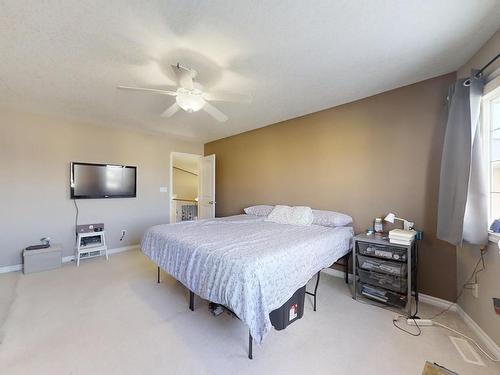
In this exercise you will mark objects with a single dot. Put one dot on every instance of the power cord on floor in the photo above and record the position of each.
(396, 320)
(434, 323)
(468, 338)
(395, 324)
(466, 284)
(415, 319)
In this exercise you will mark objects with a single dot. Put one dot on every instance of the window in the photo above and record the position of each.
(491, 123)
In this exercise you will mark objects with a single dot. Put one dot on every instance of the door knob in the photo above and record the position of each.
(211, 202)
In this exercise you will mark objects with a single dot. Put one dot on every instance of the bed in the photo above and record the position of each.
(250, 265)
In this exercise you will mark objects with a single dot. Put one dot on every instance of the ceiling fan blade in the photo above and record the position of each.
(154, 91)
(170, 111)
(224, 96)
(214, 112)
(184, 76)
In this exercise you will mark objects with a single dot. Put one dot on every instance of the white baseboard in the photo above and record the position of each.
(70, 258)
(14, 268)
(486, 340)
(122, 249)
(443, 304)
(437, 302)
(478, 331)
(116, 250)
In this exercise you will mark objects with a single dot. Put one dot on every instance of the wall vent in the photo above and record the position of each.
(467, 352)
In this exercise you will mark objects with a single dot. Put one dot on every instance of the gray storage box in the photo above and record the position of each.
(42, 259)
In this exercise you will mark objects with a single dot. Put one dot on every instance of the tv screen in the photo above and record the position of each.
(102, 181)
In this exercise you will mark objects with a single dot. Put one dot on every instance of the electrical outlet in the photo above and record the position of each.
(475, 290)
(124, 233)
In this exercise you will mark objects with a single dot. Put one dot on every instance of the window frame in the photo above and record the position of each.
(491, 93)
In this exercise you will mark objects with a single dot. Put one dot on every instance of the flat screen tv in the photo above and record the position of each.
(102, 181)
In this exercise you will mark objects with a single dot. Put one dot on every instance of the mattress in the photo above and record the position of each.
(243, 262)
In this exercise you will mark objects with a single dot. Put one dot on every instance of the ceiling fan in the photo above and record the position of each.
(190, 97)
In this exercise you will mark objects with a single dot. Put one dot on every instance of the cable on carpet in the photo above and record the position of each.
(434, 323)
(395, 324)
(468, 338)
(466, 284)
(474, 276)
(395, 320)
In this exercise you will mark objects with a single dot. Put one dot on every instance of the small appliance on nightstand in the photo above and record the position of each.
(385, 272)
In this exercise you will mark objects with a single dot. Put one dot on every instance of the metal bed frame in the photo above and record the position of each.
(313, 294)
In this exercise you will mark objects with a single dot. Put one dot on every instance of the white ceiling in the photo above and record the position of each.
(294, 57)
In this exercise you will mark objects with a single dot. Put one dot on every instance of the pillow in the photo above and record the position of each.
(260, 210)
(291, 215)
(330, 218)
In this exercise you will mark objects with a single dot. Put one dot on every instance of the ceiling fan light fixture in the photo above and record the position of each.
(190, 100)
(189, 95)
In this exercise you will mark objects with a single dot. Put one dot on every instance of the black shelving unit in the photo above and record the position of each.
(384, 272)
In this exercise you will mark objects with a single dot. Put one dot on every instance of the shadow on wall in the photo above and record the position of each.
(441, 251)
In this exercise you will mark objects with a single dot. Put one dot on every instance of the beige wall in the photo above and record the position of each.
(489, 50)
(35, 155)
(481, 309)
(364, 158)
(184, 184)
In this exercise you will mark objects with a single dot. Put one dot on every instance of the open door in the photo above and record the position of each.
(206, 190)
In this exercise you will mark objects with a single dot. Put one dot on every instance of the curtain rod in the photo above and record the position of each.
(480, 73)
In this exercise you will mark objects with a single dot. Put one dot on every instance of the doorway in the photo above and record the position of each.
(192, 187)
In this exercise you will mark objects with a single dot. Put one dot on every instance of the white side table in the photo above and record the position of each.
(90, 245)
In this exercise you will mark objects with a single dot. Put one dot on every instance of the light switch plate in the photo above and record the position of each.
(163, 189)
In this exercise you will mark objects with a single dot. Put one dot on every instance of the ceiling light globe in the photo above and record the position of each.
(190, 100)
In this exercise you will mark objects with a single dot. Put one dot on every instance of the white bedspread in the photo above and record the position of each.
(243, 262)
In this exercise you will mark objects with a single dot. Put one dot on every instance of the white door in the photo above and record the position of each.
(206, 190)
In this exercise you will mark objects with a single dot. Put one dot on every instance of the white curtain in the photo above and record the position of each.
(463, 194)
(476, 208)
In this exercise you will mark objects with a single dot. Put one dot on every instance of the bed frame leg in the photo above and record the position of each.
(159, 279)
(346, 268)
(250, 342)
(191, 301)
(316, 290)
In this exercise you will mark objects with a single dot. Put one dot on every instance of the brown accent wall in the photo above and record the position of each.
(364, 158)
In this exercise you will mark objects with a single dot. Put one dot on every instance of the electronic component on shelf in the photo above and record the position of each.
(89, 228)
(89, 241)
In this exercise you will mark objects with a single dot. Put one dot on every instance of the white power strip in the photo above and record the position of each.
(419, 322)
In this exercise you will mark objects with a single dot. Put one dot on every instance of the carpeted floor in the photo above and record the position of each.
(112, 318)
